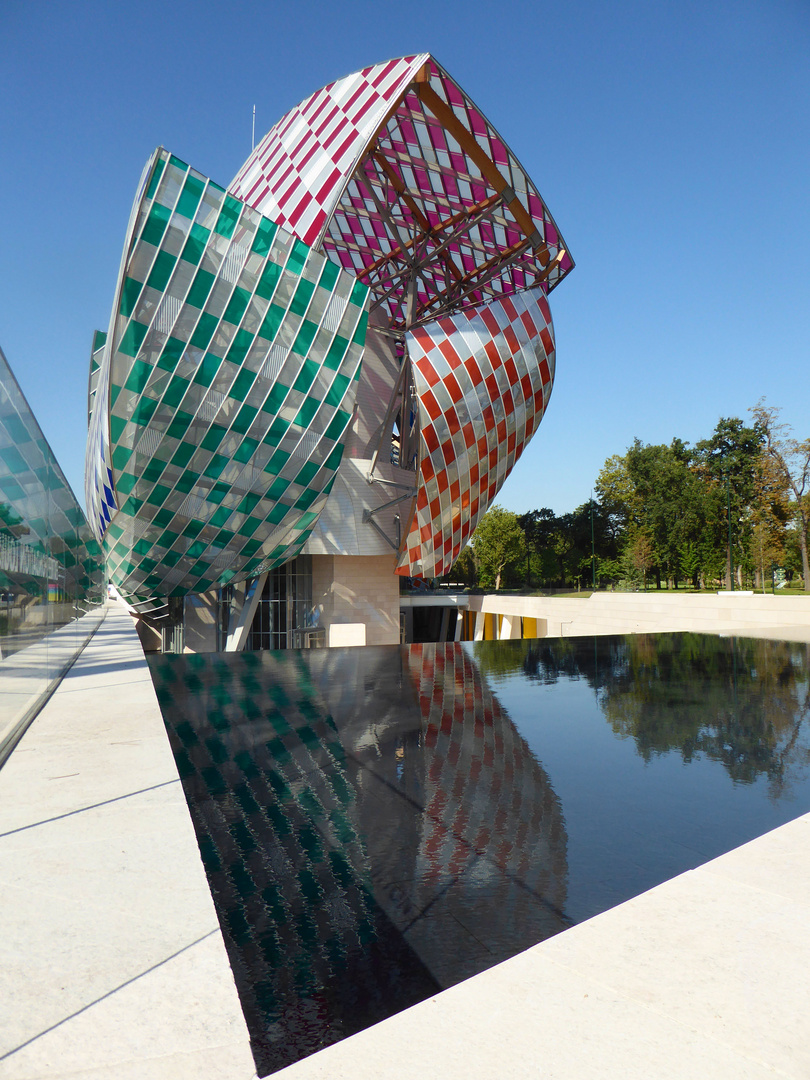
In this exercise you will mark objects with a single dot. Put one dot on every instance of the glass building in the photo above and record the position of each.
(51, 573)
(340, 357)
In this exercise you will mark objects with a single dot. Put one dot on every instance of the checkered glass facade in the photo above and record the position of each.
(483, 380)
(226, 384)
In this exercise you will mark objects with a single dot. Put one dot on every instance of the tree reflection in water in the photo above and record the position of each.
(742, 702)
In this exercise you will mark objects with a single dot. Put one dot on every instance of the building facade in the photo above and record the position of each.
(338, 359)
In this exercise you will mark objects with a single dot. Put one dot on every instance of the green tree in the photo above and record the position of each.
(791, 461)
(498, 545)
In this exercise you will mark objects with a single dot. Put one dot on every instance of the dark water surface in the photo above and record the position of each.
(380, 823)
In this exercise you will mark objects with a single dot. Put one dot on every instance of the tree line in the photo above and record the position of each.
(735, 508)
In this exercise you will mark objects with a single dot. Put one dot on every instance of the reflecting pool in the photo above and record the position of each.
(379, 823)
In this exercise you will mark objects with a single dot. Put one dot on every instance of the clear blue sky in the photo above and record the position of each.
(669, 139)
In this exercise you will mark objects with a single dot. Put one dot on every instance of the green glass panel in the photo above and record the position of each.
(337, 391)
(179, 424)
(193, 529)
(183, 454)
(276, 432)
(263, 240)
(245, 451)
(158, 495)
(162, 519)
(132, 338)
(306, 520)
(155, 224)
(154, 179)
(120, 457)
(337, 425)
(329, 275)
(303, 295)
(307, 412)
(132, 506)
(187, 481)
(337, 350)
(333, 460)
(298, 257)
(275, 398)
(178, 164)
(251, 547)
(207, 369)
(277, 514)
(190, 196)
(241, 384)
(304, 337)
(153, 470)
(277, 462)
(305, 501)
(117, 425)
(213, 437)
(161, 271)
(271, 322)
(266, 285)
(175, 391)
(195, 244)
(171, 354)
(130, 292)
(306, 376)
(236, 306)
(242, 341)
(204, 330)
(277, 488)
(243, 419)
(218, 492)
(219, 517)
(307, 474)
(215, 466)
(196, 549)
(138, 376)
(144, 411)
(200, 288)
(228, 217)
(126, 481)
(359, 335)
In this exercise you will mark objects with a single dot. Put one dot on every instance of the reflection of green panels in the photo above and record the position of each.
(195, 380)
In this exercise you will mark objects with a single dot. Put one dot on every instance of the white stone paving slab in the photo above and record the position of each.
(111, 958)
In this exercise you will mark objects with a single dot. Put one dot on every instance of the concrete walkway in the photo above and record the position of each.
(112, 963)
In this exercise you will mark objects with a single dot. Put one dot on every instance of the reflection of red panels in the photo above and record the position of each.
(510, 443)
(424, 533)
(474, 473)
(528, 322)
(428, 472)
(452, 421)
(431, 439)
(449, 451)
(435, 508)
(526, 387)
(475, 507)
(421, 499)
(492, 387)
(501, 431)
(442, 481)
(545, 374)
(493, 458)
(454, 490)
(489, 321)
(468, 432)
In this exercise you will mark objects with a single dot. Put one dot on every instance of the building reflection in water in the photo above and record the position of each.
(373, 826)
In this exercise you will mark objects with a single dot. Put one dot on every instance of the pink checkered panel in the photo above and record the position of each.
(483, 379)
(296, 173)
